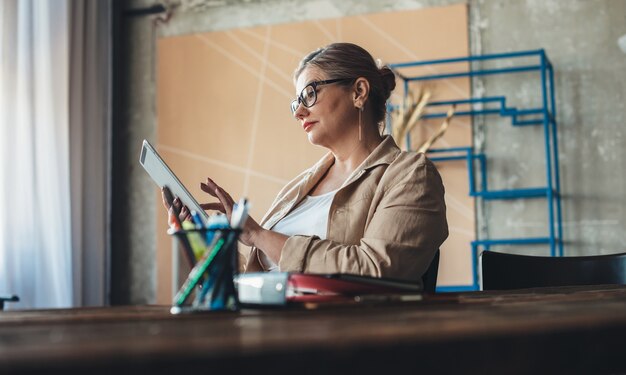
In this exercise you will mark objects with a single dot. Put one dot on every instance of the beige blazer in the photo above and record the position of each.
(387, 220)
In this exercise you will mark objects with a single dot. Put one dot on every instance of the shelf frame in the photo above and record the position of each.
(544, 116)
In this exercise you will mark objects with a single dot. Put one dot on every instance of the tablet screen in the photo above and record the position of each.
(163, 176)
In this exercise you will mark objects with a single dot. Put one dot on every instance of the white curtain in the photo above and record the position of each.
(42, 146)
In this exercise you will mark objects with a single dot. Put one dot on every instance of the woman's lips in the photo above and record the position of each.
(307, 125)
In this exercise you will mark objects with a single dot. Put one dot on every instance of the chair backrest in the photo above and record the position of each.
(509, 271)
(429, 279)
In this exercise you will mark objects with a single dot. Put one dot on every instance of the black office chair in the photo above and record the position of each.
(508, 271)
(429, 279)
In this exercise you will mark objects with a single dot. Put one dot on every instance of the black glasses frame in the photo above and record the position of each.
(300, 99)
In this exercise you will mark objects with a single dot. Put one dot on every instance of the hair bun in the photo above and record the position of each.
(389, 80)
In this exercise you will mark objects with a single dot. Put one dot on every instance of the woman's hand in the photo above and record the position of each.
(178, 206)
(250, 228)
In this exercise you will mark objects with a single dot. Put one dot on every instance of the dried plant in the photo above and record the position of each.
(407, 115)
(442, 130)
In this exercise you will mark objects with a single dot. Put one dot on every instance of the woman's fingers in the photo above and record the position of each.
(178, 204)
(226, 200)
(185, 214)
(217, 206)
(171, 218)
(225, 194)
(175, 211)
(178, 208)
(210, 186)
(207, 189)
(167, 206)
(215, 188)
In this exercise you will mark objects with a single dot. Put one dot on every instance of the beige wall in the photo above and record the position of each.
(223, 111)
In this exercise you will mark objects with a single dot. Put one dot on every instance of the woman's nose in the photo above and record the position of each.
(300, 112)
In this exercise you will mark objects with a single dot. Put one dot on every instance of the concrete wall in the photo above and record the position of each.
(581, 40)
(580, 37)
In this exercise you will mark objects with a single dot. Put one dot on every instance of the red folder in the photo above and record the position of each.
(283, 288)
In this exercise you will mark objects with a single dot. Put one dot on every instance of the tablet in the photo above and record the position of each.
(163, 176)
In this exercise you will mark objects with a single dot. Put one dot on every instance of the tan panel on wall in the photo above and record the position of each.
(223, 111)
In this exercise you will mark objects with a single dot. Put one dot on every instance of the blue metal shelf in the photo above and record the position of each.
(497, 105)
(476, 73)
(540, 192)
(469, 155)
(502, 110)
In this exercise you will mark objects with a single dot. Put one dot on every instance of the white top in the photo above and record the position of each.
(309, 218)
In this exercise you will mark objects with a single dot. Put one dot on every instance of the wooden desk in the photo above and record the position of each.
(556, 330)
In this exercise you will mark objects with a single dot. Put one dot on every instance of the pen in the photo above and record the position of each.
(215, 223)
(240, 214)
(197, 220)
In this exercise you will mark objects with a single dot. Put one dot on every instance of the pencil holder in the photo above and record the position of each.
(209, 285)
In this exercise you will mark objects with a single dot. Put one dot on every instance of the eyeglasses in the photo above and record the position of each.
(308, 95)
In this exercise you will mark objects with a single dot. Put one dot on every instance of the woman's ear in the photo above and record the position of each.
(361, 91)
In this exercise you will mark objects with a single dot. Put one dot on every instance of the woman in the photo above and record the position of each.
(365, 208)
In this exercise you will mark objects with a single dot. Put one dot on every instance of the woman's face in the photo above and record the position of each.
(328, 120)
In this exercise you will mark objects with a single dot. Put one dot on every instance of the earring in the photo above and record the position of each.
(360, 109)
